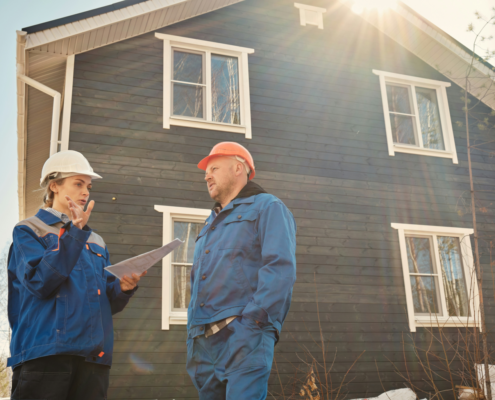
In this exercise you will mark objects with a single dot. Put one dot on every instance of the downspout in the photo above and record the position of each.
(56, 108)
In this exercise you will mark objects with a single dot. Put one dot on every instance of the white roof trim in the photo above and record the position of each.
(114, 26)
(443, 40)
(89, 24)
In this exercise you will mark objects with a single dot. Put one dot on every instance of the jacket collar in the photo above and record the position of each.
(50, 219)
(47, 217)
(245, 196)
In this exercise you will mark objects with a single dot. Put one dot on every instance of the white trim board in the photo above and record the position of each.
(170, 317)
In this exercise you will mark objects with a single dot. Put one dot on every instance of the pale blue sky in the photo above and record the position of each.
(452, 16)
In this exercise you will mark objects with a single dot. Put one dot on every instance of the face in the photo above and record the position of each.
(76, 187)
(221, 177)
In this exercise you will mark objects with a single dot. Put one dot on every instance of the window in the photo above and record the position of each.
(417, 116)
(439, 275)
(310, 15)
(206, 85)
(185, 224)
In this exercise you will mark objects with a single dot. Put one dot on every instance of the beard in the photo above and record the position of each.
(224, 191)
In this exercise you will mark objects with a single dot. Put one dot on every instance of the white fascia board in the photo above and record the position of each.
(179, 40)
(86, 25)
(443, 40)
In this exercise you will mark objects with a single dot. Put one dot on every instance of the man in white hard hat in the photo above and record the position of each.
(61, 299)
(241, 280)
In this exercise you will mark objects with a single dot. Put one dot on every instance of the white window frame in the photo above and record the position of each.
(170, 43)
(304, 20)
(171, 214)
(469, 272)
(443, 109)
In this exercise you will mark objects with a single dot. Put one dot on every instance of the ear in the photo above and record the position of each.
(52, 186)
(239, 169)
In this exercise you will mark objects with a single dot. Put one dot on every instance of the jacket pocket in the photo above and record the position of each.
(239, 230)
(236, 216)
(62, 307)
(99, 259)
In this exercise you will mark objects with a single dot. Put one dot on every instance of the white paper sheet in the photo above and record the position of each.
(137, 265)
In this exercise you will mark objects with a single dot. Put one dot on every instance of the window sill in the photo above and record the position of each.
(178, 318)
(213, 126)
(447, 323)
(401, 148)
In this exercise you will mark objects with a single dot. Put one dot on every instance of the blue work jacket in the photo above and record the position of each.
(244, 264)
(61, 299)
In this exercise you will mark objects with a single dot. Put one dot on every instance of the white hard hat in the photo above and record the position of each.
(64, 164)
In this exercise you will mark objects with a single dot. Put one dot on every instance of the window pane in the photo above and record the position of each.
(454, 281)
(182, 286)
(424, 295)
(225, 89)
(399, 99)
(419, 255)
(188, 67)
(187, 232)
(403, 129)
(429, 116)
(188, 100)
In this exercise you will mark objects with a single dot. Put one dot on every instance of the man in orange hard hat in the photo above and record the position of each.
(241, 280)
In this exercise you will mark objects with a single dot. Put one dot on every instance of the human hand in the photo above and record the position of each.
(79, 216)
(127, 283)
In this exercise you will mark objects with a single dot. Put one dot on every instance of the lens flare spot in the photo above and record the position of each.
(139, 366)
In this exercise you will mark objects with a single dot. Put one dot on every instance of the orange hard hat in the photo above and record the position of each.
(229, 149)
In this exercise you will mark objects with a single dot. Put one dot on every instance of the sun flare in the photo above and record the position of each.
(359, 6)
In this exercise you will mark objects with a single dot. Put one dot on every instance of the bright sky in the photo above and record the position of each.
(453, 16)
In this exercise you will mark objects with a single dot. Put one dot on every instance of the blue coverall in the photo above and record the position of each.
(245, 266)
(61, 299)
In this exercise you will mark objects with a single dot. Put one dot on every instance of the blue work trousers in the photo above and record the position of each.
(233, 364)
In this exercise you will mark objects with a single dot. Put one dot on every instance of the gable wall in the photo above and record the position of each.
(319, 144)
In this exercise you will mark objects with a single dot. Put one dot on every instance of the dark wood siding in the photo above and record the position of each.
(319, 145)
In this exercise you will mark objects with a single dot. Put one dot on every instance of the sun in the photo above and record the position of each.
(359, 6)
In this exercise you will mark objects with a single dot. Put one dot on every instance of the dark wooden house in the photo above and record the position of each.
(351, 116)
